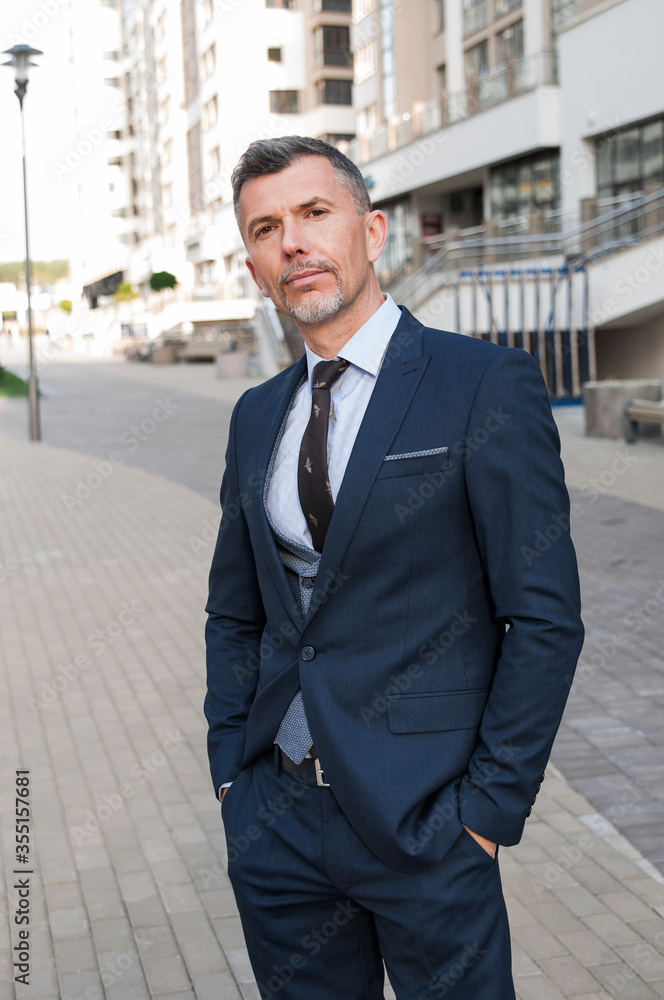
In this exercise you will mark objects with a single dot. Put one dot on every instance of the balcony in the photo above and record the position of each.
(515, 78)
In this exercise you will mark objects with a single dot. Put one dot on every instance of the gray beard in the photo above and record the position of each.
(318, 310)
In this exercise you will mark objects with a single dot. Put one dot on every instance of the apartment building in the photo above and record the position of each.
(485, 121)
(92, 154)
(204, 78)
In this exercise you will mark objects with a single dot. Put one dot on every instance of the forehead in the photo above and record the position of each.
(309, 177)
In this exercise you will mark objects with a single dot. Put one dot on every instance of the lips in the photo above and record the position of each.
(302, 277)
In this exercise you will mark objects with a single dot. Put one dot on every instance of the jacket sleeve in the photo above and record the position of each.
(521, 513)
(236, 619)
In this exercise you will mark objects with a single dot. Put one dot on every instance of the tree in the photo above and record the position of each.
(162, 279)
(66, 305)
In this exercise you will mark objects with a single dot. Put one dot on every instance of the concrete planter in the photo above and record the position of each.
(605, 401)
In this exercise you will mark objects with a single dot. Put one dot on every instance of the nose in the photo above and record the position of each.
(293, 239)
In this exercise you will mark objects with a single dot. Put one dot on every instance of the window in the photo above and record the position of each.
(332, 45)
(164, 111)
(502, 7)
(194, 169)
(335, 92)
(112, 81)
(477, 61)
(510, 43)
(630, 160)
(367, 120)
(160, 27)
(284, 4)
(441, 74)
(208, 62)
(475, 15)
(115, 134)
(215, 161)
(208, 12)
(118, 213)
(366, 61)
(274, 53)
(113, 56)
(284, 102)
(341, 6)
(440, 14)
(210, 114)
(115, 161)
(518, 187)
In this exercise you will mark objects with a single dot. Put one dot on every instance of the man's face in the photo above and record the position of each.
(309, 249)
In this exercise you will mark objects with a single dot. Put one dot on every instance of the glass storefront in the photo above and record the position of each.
(519, 187)
(630, 160)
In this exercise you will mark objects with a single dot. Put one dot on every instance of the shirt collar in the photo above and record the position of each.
(366, 348)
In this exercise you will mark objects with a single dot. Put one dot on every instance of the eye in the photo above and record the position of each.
(263, 230)
(317, 212)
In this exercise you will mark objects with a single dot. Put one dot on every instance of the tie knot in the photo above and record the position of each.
(327, 372)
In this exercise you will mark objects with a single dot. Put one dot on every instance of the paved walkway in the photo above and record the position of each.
(102, 583)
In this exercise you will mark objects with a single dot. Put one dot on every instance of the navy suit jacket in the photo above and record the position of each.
(443, 633)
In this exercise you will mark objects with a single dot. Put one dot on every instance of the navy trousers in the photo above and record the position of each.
(321, 913)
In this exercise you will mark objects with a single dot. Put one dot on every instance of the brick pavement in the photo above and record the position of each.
(130, 897)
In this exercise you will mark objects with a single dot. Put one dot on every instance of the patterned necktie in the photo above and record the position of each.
(312, 474)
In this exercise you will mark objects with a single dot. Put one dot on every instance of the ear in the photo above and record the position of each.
(257, 278)
(376, 234)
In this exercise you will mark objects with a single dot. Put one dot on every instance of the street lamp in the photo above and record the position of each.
(20, 60)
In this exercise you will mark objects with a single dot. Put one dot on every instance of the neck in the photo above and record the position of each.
(326, 339)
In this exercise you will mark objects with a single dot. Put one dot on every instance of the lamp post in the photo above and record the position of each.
(20, 60)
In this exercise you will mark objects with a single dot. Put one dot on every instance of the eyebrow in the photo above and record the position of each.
(262, 219)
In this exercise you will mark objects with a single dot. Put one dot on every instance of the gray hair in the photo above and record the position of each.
(271, 156)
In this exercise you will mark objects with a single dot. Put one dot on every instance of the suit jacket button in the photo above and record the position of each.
(307, 652)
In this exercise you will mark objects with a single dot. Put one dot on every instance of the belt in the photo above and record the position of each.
(310, 769)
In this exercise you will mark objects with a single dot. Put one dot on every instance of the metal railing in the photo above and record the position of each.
(576, 245)
(514, 78)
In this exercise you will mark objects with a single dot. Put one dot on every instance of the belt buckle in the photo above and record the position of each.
(320, 774)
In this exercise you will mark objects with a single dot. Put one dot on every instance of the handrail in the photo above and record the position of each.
(587, 241)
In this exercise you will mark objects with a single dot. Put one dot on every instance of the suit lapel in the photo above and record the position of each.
(395, 387)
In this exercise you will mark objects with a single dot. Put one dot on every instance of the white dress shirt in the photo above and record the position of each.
(349, 398)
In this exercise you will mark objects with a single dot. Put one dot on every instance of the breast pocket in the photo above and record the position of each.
(415, 463)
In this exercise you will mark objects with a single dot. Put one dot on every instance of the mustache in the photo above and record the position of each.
(307, 265)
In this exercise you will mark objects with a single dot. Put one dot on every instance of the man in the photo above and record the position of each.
(389, 650)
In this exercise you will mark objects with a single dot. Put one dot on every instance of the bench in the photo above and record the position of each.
(643, 411)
